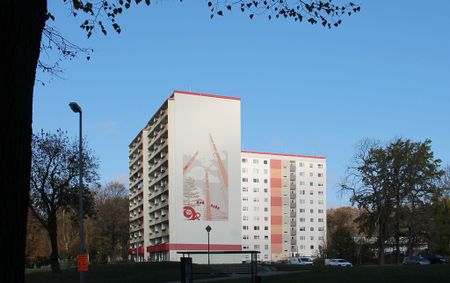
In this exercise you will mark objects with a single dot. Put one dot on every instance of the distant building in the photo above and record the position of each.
(283, 204)
(187, 171)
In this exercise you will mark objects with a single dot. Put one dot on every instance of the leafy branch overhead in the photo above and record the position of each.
(313, 11)
(99, 15)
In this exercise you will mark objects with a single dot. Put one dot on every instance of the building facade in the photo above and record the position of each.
(187, 171)
(283, 204)
(184, 176)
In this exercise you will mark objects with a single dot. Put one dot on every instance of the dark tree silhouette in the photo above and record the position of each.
(54, 182)
(24, 25)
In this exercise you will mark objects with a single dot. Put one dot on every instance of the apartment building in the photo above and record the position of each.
(187, 171)
(184, 176)
(283, 204)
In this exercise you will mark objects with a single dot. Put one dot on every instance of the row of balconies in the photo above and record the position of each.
(157, 118)
(136, 226)
(155, 135)
(158, 188)
(157, 176)
(159, 230)
(159, 240)
(136, 214)
(135, 145)
(162, 163)
(159, 216)
(136, 189)
(135, 155)
(158, 202)
(135, 202)
(157, 144)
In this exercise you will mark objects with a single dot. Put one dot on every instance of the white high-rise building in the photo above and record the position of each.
(283, 204)
(187, 171)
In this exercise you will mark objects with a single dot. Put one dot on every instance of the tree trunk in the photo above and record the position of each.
(381, 233)
(53, 234)
(22, 25)
(397, 230)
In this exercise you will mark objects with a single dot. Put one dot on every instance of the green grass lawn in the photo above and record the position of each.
(363, 274)
(163, 272)
(117, 273)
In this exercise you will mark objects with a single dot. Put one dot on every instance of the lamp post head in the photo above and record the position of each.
(75, 107)
(208, 228)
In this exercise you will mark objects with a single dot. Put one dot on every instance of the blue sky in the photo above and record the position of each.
(384, 73)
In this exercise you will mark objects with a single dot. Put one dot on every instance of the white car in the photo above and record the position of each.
(338, 262)
(301, 261)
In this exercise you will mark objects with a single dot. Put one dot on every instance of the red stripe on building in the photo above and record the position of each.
(275, 201)
(276, 220)
(277, 239)
(193, 247)
(139, 250)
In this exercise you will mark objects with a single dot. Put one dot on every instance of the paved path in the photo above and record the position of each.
(239, 276)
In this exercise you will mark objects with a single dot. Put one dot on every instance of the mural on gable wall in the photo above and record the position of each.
(205, 184)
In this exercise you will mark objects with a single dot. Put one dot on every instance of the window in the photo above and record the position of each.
(311, 220)
(245, 208)
(266, 228)
(245, 237)
(244, 180)
(301, 247)
(310, 165)
(302, 210)
(312, 247)
(311, 210)
(266, 218)
(301, 164)
(302, 219)
(265, 161)
(311, 184)
(265, 181)
(256, 237)
(245, 227)
(256, 247)
(255, 190)
(320, 166)
(301, 183)
(311, 174)
(245, 217)
(265, 171)
(311, 229)
(311, 201)
(320, 229)
(244, 189)
(266, 209)
(320, 219)
(301, 192)
(256, 218)
(320, 193)
(255, 161)
(311, 193)
(255, 199)
(266, 247)
(320, 210)
(320, 238)
(255, 171)
(244, 160)
(265, 190)
(244, 170)
(255, 180)
(302, 201)
(311, 238)
(244, 198)
(320, 184)
(320, 201)
(256, 228)
(302, 238)
(302, 229)
(256, 209)
(301, 174)
(320, 175)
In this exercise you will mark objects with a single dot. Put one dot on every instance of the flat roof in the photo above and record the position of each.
(283, 154)
(205, 95)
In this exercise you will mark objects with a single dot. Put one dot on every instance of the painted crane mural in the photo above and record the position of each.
(205, 184)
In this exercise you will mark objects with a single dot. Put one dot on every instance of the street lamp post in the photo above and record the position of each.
(77, 109)
(208, 229)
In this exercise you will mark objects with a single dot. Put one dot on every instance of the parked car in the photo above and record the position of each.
(415, 260)
(301, 261)
(436, 259)
(338, 262)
